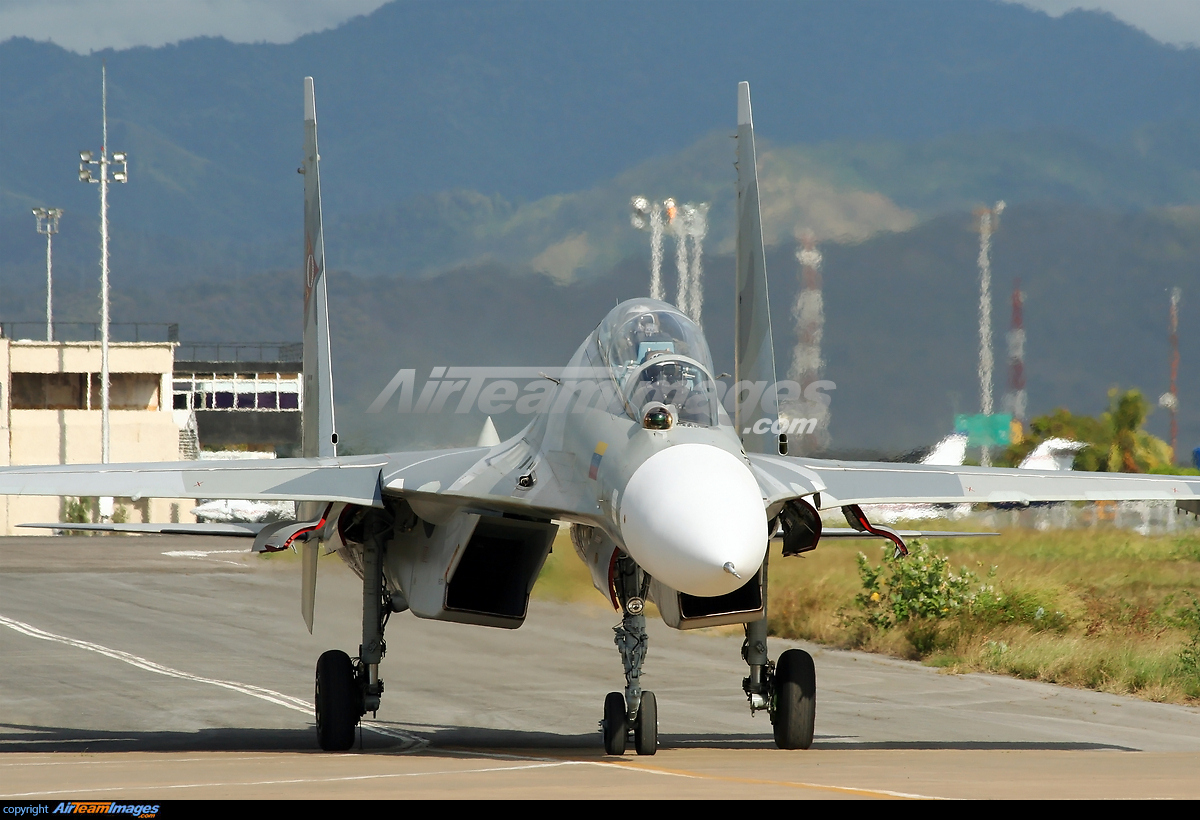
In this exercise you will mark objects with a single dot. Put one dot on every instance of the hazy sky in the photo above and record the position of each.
(1171, 21)
(86, 25)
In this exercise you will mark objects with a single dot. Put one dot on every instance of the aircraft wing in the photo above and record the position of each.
(354, 480)
(229, 529)
(470, 478)
(867, 482)
(845, 532)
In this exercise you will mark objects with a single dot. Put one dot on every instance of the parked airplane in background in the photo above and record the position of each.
(1053, 454)
(236, 510)
(951, 451)
(669, 500)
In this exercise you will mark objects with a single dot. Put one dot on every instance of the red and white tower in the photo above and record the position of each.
(810, 419)
(1170, 399)
(1015, 401)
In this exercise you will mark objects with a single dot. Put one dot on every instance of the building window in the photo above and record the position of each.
(49, 391)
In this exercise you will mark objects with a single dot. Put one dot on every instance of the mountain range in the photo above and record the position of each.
(479, 158)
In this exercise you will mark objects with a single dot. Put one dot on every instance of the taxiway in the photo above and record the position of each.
(180, 668)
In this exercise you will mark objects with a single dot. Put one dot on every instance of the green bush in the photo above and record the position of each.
(921, 585)
(1188, 619)
(77, 511)
(992, 607)
(1187, 548)
(920, 590)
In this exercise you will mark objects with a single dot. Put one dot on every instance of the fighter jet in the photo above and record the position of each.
(669, 499)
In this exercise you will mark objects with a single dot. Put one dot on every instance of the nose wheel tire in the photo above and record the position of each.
(795, 712)
(337, 701)
(616, 724)
(645, 727)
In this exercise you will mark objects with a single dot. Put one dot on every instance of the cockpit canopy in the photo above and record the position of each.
(658, 354)
(638, 330)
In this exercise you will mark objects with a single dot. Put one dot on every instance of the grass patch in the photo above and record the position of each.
(564, 577)
(1101, 609)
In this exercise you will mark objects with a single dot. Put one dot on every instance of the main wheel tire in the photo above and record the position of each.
(337, 701)
(795, 700)
(645, 728)
(616, 724)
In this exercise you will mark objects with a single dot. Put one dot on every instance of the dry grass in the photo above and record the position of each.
(1113, 609)
(564, 577)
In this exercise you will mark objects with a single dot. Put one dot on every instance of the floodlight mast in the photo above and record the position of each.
(989, 219)
(47, 223)
(85, 175)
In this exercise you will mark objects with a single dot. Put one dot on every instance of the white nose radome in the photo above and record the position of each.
(692, 516)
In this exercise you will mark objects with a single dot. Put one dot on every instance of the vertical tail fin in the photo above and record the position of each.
(754, 352)
(319, 436)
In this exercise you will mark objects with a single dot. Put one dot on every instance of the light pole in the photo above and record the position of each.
(86, 175)
(650, 214)
(47, 223)
(685, 222)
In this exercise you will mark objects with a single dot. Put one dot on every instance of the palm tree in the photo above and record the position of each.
(1131, 449)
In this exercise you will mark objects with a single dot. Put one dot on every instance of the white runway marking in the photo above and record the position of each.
(269, 695)
(334, 779)
(411, 743)
(69, 740)
(144, 761)
(539, 763)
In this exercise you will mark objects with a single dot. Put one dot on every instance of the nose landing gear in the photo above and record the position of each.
(635, 709)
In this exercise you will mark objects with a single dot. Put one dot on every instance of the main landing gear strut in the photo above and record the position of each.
(786, 689)
(635, 710)
(346, 689)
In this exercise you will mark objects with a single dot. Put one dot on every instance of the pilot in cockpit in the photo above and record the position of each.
(658, 355)
(650, 340)
(677, 384)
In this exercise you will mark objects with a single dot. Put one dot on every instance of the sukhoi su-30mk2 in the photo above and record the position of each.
(669, 499)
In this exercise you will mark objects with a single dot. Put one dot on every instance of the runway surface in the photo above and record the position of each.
(172, 667)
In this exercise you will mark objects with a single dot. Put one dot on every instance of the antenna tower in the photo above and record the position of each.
(1015, 402)
(807, 362)
(1173, 400)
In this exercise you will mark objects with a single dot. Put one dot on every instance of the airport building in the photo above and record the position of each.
(239, 397)
(50, 409)
(160, 408)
